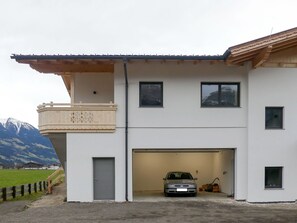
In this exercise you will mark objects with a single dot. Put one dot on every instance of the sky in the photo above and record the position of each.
(176, 27)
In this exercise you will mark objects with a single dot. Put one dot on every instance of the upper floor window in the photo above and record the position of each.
(273, 177)
(150, 94)
(220, 94)
(273, 117)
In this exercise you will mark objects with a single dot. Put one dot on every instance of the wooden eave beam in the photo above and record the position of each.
(59, 68)
(261, 57)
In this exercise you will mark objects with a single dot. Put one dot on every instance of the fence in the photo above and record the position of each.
(21, 190)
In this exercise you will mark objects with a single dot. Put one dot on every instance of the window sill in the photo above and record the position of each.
(151, 107)
(274, 188)
(218, 107)
(274, 129)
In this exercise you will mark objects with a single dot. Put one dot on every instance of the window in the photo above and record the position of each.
(150, 94)
(273, 177)
(274, 117)
(220, 94)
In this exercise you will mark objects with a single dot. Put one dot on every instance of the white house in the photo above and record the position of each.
(132, 118)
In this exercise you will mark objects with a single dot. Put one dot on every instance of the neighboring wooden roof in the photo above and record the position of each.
(277, 50)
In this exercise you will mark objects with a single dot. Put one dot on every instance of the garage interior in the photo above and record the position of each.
(151, 165)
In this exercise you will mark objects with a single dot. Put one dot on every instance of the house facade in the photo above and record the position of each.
(133, 118)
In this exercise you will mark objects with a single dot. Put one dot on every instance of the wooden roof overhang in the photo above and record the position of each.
(66, 65)
(277, 50)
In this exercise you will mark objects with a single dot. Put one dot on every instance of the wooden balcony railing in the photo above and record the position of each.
(79, 117)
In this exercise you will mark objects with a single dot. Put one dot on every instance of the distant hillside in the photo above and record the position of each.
(20, 143)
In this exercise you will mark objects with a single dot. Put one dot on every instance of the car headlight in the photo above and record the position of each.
(192, 186)
(170, 186)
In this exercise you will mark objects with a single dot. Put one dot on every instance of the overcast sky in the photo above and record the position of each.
(201, 27)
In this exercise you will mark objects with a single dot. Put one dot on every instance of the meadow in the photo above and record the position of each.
(13, 177)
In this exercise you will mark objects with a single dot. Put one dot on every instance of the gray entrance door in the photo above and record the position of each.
(104, 179)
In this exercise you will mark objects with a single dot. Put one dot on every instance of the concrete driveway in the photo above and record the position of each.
(171, 211)
(51, 208)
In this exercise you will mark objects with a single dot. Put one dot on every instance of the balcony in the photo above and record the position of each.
(80, 117)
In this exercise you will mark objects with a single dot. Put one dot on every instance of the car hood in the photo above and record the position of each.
(180, 181)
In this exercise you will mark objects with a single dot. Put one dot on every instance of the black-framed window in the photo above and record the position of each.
(273, 177)
(220, 94)
(151, 94)
(274, 117)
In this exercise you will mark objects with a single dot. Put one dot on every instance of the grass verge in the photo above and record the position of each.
(11, 177)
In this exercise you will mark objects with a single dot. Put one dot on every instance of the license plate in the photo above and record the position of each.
(181, 189)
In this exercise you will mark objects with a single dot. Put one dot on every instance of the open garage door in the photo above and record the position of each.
(151, 165)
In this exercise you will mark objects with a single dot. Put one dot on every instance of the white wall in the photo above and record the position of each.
(182, 123)
(86, 84)
(272, 87)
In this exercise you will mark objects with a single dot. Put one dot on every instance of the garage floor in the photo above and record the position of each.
(159, 196)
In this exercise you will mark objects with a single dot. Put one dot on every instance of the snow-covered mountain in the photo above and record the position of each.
(20, 143)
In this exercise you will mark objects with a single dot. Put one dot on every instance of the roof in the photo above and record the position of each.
(258, 52)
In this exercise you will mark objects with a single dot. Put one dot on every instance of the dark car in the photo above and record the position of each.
(177, 182)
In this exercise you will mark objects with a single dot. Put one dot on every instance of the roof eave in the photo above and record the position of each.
(20, 57)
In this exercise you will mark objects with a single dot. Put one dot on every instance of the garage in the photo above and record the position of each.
(151, 165)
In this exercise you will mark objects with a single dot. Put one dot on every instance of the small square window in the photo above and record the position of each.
(274, 117)
(273, 177)
(150, 94)
(220, 94)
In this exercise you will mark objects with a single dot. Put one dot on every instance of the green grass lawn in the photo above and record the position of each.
(9, 178)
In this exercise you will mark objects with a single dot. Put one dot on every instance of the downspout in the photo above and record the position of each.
(126, 128)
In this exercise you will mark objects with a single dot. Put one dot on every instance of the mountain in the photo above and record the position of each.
(21, 143)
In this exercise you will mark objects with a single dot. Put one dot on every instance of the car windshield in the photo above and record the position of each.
(179, 176)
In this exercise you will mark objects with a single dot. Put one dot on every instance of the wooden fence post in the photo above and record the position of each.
(35, 187)
(22, 190)
(49, 186)
(4, 194)
(40, 186)
(13, 191)
(29, 188)
(44, 185)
